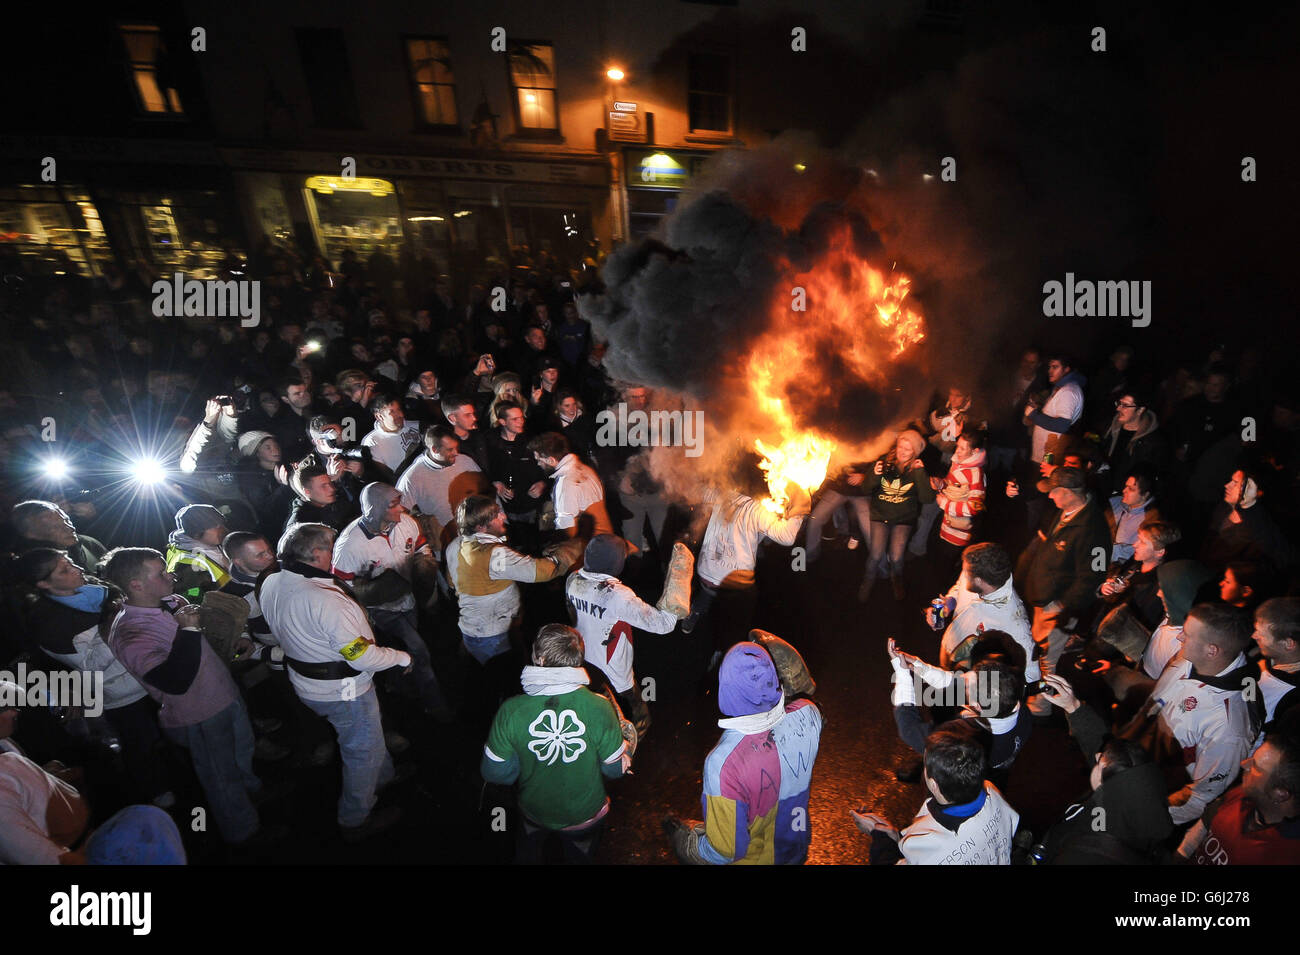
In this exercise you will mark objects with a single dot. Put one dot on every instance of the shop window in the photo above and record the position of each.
(434, 81)
(709, 93)
(53, 232)
(185, 230)
(646, 209)
(324, 56)
(151, 70)
(357, 214)
(532, 79)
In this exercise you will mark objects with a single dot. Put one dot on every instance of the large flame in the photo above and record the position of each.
(849, 307)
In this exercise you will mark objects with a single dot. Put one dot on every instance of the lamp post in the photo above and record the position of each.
(618, 200)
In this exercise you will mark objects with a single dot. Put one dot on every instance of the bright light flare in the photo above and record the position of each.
(614, 73)
(147, 471)
(56, 469)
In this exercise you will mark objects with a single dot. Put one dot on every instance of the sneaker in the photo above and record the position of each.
(269, 751)
(853, 543)
(375, 823)
(397, 743)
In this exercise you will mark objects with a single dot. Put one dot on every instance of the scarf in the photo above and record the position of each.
(88, 598)
(553, 681)
(756, 722)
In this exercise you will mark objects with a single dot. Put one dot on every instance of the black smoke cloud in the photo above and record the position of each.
(682, 313)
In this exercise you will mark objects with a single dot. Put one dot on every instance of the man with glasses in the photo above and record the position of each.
(1134, 439)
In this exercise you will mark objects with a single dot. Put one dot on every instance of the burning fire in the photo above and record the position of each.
(853, 312)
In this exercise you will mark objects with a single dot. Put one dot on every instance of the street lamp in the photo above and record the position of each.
(615, 74)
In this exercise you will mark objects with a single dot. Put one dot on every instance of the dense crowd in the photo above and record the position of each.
(392, 463)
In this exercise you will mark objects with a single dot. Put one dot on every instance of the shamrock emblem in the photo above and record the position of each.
(557, 736)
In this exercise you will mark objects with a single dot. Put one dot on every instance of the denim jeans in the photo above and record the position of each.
(221, 748)
(400, 625)
(888, 543)
(831, 501)
(484, 649)
(366, 763)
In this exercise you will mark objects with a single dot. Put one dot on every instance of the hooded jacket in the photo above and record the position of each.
(198, 567)
(367, 550)
(1146, 447)
(1136, 814)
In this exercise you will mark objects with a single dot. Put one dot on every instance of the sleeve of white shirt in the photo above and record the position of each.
(507, 564)
(451, 561)
(782, 531)
(346, 560)
(643, 616)
(1214, 758)
(1066, 403)
(403, 487)
(349, 630)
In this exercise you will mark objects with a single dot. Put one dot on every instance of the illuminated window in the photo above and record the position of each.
(151, 71)
(435, 84)
(709, 92)
(532, 76)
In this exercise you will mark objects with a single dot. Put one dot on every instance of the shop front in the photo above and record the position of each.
(654, 179)
(465, 216)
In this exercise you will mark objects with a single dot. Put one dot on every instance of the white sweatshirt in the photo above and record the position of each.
(1001, 610)
(982, 839)
(1213, 728)
(316, 622)
(606, 611)
(736, 528)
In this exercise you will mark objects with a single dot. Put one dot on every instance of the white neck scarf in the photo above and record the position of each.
(546, 681)
(756, 722)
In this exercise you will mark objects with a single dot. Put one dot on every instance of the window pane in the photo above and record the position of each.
(141, 43)
(438, 105)
(710, 112)
(147, 83)
(447, 104)
(533, 66)
(537, 108)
